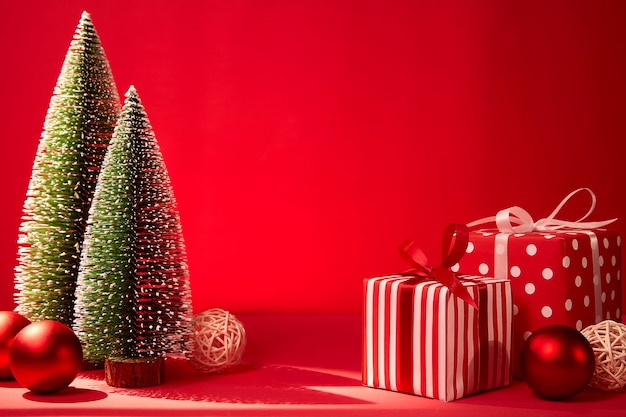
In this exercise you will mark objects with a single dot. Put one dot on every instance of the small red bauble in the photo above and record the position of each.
(45, 356)
(10, 325)
(557, 362)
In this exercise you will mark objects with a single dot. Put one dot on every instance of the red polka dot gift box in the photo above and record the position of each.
(560, 272)
(435, 334)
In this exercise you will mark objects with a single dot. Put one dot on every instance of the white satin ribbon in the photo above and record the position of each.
(597, 280)
(505, 220)
(517, 220)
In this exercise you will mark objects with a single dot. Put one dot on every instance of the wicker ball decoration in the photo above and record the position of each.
(608, 340)
(219, 340)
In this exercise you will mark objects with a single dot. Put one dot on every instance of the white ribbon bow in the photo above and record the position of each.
(505, 219)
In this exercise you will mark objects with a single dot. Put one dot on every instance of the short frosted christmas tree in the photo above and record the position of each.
(133, 298)
(81, 117)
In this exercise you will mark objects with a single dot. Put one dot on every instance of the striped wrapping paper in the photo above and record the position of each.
(421, 339)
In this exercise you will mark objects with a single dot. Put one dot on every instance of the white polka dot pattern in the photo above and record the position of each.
(568, 304)
(556, 277)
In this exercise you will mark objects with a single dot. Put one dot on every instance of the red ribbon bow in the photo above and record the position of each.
(421, 267)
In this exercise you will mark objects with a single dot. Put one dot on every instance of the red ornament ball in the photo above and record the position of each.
(557, 362)
(10, 325)
(45, 356)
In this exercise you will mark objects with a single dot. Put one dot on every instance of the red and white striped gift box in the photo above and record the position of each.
(421, 339)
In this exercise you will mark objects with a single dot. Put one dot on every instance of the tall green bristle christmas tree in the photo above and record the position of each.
(81, 117)
(133, 298)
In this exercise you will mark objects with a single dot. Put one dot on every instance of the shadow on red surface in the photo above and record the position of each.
(9, 383)
(519, 397)
(244, 384)
(68, 395)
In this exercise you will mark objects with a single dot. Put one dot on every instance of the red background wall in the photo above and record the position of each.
(307, 138)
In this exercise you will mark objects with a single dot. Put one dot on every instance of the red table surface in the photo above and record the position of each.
(295, 365)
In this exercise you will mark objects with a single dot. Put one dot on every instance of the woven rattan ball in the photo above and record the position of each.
(219, 340)
(608, 340)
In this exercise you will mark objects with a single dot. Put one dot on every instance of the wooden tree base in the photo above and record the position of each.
(133, 372)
